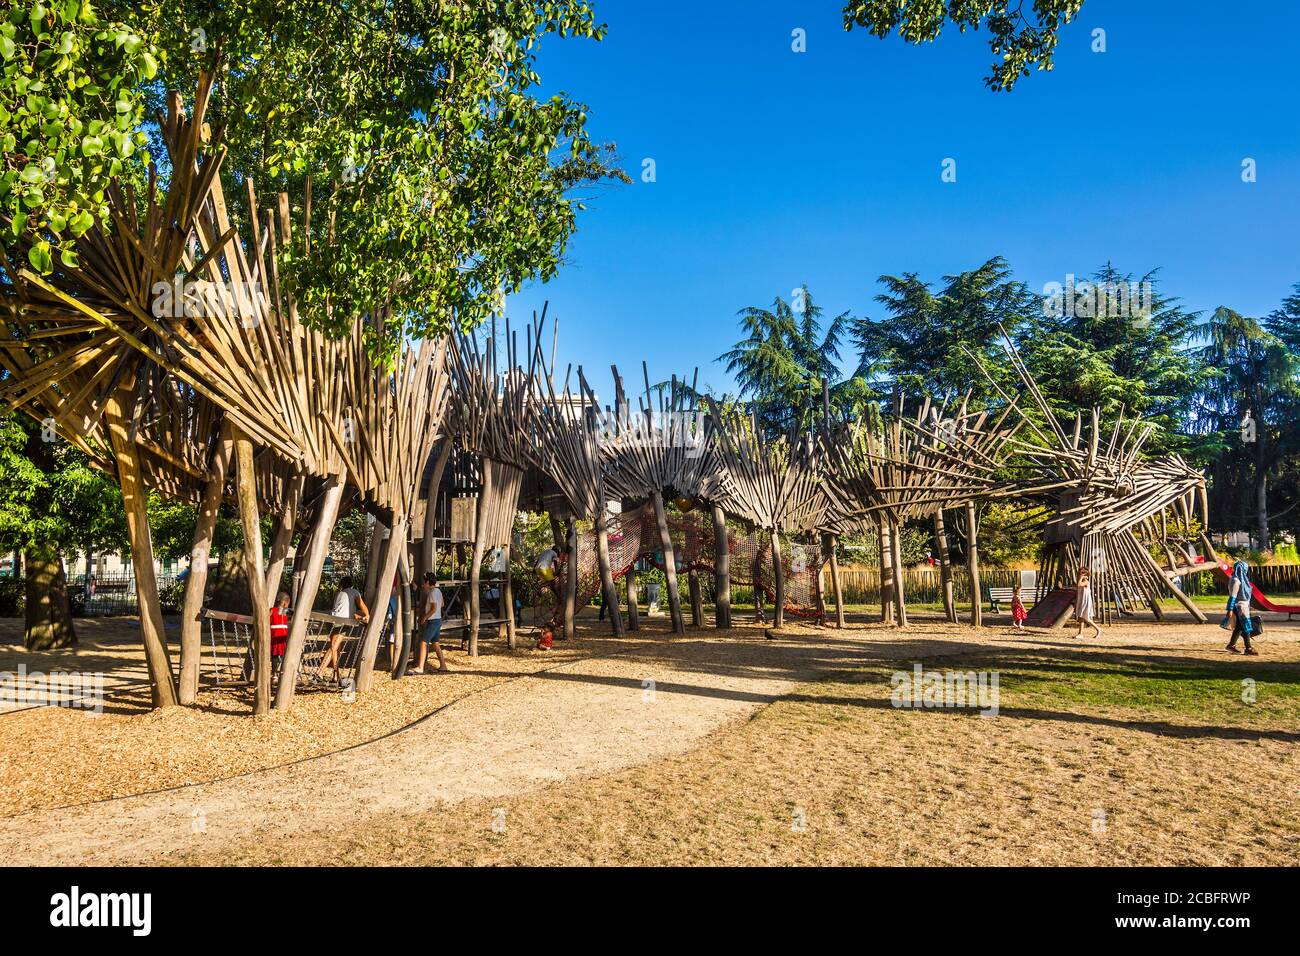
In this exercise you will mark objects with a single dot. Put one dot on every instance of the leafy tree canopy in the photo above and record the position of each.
(441, 179)
(1022, 34)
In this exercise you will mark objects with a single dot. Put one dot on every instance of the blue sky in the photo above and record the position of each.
(776, 168)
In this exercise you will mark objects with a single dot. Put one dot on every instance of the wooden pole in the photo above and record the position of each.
(405, 618)
(973, 565)
(508, 599)
(945, 567)
(373, 559)
(900, 598)
(427, 554)
(284, 527)
(571, 580)
(397, 544)
(1182, 598)
(250, 521)
(697, 597)
(135, 502)
(721, 568)
(313, 564)
(886, 574)
(633, 600)
(837, 587)
(476, 562)
(609, 588)
(778, 580)
(670, 564)
(196, 581)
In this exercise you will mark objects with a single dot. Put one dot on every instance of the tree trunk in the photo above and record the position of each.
(973, 565)
(945, 566)
(778, 581)
(670, 564)
(48, 622)
(721, 568)
(1261, 509)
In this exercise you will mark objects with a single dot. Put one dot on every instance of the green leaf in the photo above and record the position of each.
(40, 258)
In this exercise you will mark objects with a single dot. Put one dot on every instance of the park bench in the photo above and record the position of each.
(1000, 596)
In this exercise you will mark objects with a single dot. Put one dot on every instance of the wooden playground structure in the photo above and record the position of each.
(177, 361)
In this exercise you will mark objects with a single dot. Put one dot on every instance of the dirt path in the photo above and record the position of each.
(583, 717)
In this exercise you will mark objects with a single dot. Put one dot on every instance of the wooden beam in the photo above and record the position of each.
(388, 570)
(831, 545)
(721, 569)
(314, 563)
(945, 566)
(571, 579)
(196, 581)
(973, 565)
(778, 580)
(670, 563)
(608, 587)
(250, 521)
(135, 502)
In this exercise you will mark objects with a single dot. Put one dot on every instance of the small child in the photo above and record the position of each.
(1018, 612)
(279, 631)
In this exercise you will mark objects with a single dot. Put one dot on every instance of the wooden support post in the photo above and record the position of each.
(721, 568)
(197, 579)
(697, 597)
(250, 522)
(973, 565)
(571, 581)
(608, 587)
(558, 534)
(1183, 599)
(633, 600)
(374, 558)
(313, 564)
(508, 599)
(299, 570)
(393, 554)
(135, 502)
(284, 527)
(428, 556)
(831, 546)
(900, 597)
(476, 562)
(778, 580)
(670, 564)
(886, 574)
(945, 566)
(405, 618)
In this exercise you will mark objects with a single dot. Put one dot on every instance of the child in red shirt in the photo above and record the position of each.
(279, 630)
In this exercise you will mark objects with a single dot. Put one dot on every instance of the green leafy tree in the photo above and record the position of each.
(441, 179)
(1116, 342)
(70, 112)
(52, 503)
(1248, 402)
(920, 344)
(1022, 34)
(786, 356)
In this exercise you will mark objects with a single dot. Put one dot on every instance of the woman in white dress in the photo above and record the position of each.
(1083, 610)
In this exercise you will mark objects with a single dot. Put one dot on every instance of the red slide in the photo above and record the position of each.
(1260, 600)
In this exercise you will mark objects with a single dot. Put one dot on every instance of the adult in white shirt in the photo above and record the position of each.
(348, 604)
(430, 624)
